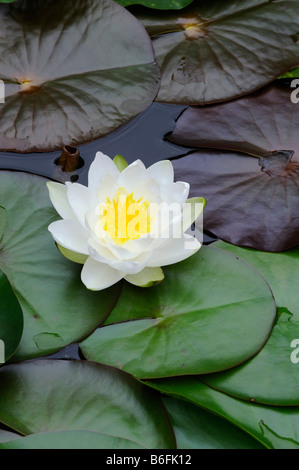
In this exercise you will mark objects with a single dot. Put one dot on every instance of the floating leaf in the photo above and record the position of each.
(270, 377)
(70, 440)
(203, 317)
(195, 428)
(275, 427)
(159, 4)
(7, 436)
(73, 72)
(11, 320)
(261, 124)
(54, 395)
(214, 51)
(291, 73)
(57, 308)
(251, 201)
(3, 220)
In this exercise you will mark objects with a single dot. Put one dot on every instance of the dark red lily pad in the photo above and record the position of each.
(217, 50)
(252, 197)
(73, 72)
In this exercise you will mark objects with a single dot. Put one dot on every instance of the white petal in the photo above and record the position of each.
(132, 248)
(129, 250)
(98, 276)
(131, 176)
(70, 234)
(121, 252)
(57, 193)
(91, 221)
(162, 172)
(98, 253)
(174, 250)
(80, 200)
(166, 220)
(175, 192)
(107, 188)
(192, 209)
(101, 166)
(146, 278)
(95, 227)
(148, 190)
(132, 267)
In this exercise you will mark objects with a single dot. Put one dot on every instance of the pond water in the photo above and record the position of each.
(143, 138)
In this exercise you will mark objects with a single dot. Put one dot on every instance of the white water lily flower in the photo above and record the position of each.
(120, 226)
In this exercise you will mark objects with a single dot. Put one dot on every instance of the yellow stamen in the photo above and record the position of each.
(125, 218)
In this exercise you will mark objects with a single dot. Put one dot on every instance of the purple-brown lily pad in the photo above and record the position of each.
(218, 50)
(73, 71)
(250, 173)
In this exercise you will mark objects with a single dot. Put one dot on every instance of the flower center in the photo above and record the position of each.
(125, 218)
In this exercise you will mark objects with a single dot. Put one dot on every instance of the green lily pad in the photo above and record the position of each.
(260, 210)
(274, 427)
(159, 4)
(291, 73)
(196, 428)
(214, 51)
(57, 308)
(202, 318)
(7, 436)
(11, 320)
(71, 73)
(54, 395)
(70, 440)
(270, 377)
(3, 220)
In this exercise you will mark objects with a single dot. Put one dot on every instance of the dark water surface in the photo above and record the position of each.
(143, 138)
